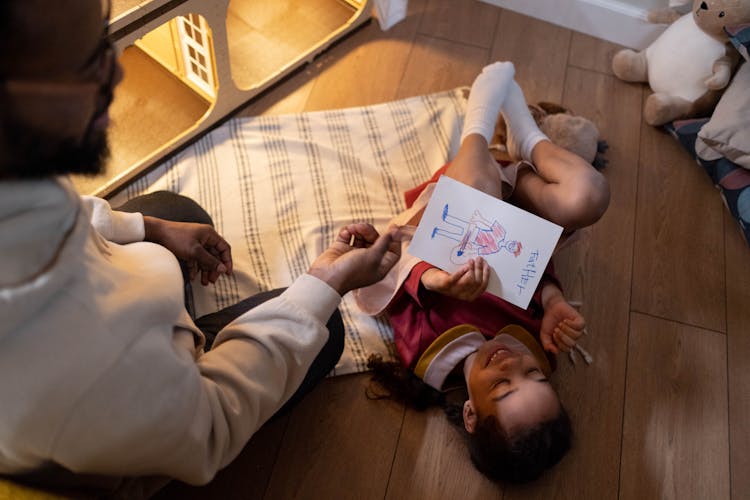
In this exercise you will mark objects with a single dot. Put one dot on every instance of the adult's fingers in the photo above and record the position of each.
(219, 247)
(362, 232)
(373, 260)
(380, 244)
(207, 262)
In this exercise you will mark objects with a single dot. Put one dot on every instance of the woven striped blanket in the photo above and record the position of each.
(280, 187)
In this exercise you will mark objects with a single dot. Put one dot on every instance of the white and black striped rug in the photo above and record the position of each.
(279, 187)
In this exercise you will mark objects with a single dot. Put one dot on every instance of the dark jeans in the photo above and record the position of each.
(178, 208)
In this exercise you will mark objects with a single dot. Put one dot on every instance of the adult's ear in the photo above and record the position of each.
(470, 417)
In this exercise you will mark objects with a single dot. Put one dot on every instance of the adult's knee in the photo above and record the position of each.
(169, 206)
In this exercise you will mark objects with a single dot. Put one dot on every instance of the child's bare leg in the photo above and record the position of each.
(565, 189)
(475, 166)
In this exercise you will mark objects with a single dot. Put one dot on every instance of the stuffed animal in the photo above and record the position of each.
(689, 64)
(574, 133)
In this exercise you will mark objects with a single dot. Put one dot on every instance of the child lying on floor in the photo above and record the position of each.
(445, 325)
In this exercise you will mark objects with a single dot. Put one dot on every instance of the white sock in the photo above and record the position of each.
(523, 133)
(487, 95)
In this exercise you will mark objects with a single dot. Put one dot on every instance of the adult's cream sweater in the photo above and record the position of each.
(99, 368)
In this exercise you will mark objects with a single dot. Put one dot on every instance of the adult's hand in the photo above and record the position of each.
(468, 283)
(358, 257)
(198, 245)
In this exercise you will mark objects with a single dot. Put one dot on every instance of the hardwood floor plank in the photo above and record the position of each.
(367, 68)
(675, 436)
(436, 65)
(246, 477)
(338, 444)
(738, 349)
(587, 52)
(596, 269)
(540, 66)
(432, 461)
(679, 240)
(467, 22)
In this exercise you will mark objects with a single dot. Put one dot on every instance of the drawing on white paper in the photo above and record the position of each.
(476, 236)
(460, 223)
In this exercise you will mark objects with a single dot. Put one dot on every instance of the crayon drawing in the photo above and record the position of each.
(475, 236)
(461, 223)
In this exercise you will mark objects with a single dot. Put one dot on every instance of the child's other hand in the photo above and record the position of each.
(468, 283)
(562, 325)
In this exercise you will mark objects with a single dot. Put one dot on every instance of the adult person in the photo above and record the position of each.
(103, 373)
(448, 329)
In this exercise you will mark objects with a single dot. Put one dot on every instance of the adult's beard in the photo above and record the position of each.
(35, 154)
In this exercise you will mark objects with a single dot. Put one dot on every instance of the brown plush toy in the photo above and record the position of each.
(689, 64)
(574, 133)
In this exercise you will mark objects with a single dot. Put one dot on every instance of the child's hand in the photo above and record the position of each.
(468, 283)
(562, 324)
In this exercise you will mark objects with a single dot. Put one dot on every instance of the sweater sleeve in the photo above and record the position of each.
(119, 227)
(187, 418)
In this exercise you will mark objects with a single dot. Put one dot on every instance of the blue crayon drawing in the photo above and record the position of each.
(476, 236)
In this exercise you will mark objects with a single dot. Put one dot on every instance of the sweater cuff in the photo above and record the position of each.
(313, 295)
(128, 226)
(116, 226)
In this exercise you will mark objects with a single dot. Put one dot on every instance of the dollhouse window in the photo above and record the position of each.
(194, 42)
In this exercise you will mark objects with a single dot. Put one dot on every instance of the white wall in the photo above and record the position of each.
(645, 4)
(618, 21)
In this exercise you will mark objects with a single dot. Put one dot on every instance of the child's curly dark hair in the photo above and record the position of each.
(500, 457)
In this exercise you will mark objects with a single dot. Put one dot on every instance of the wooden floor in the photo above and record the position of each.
(663, 277)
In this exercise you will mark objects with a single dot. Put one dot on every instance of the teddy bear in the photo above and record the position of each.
(574, 133)
(689, 64)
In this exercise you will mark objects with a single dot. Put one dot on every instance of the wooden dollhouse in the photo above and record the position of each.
(190, 63)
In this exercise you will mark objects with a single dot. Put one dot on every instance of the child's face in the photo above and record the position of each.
(504, 379)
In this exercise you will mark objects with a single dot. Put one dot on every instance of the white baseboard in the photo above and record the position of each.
(610, 20)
